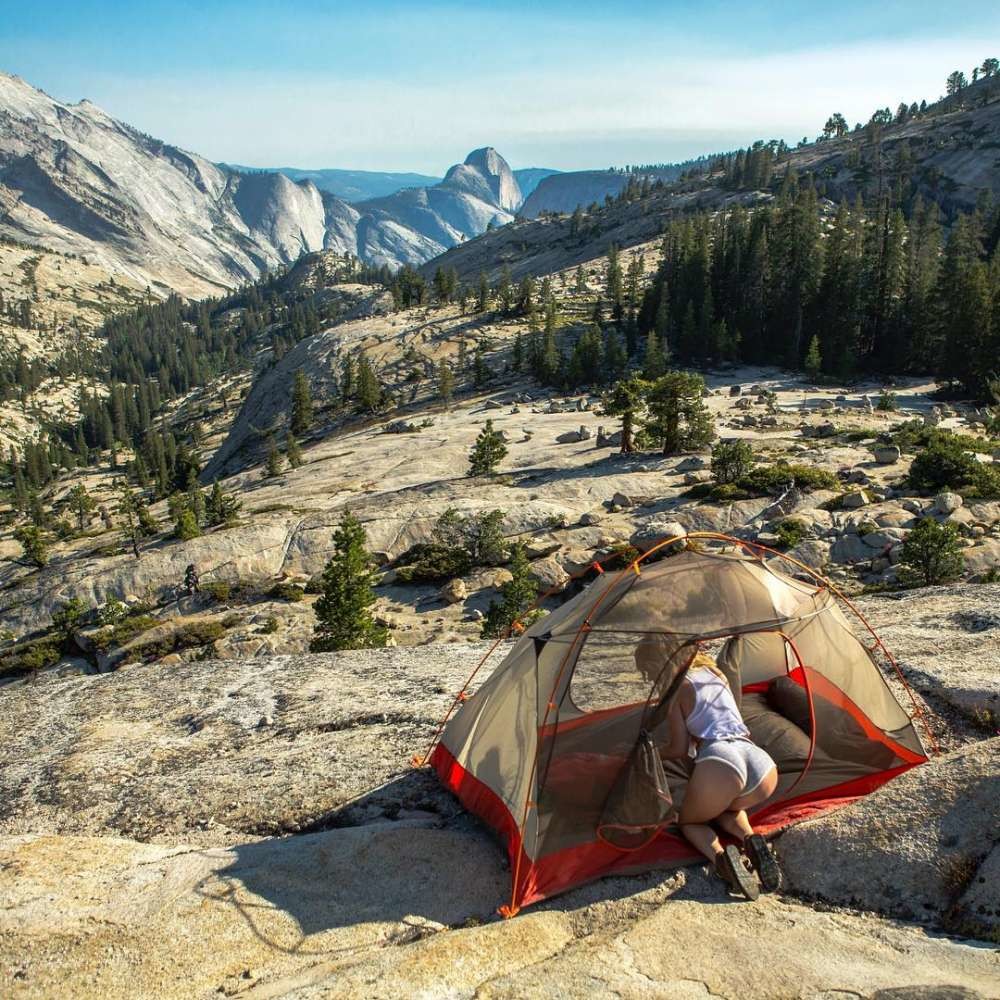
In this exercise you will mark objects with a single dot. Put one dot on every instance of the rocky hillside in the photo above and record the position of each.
(75, 180)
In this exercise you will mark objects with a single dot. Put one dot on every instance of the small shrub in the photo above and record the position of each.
(69, 617)
(430, 561)
(113, 612)
(270, 626)
(315, 584)
(931, 554)
(218, 590)
(286, 592)
(791, 532)
(887, 401)
(731, 461)
(123, 632)
(772, 480)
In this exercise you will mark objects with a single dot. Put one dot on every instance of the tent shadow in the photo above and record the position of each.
(402, 855)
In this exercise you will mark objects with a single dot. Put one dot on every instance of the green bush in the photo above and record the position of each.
(286, 592)
(887, 401)
(931, 554)
(429, 561)
(946, 464)
(766, 480)
(269, 626)
(791, 532)
(915, 434)
(731, 461)
(315, 584)
(28, 657)
(218, 590)
(122, 632)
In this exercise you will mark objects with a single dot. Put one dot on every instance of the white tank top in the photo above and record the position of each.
(715, 715)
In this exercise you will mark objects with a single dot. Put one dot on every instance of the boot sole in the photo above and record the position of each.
(764, 862)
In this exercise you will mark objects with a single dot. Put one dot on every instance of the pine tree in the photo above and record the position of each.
(627, 399)
(186, 526)
(677, 415)
(487, 453)
(516, 596)
(293, 452)
(343, 615)
(654, 362)
(128, 512)
(369, 393)
(34, 542)
(813, 362)
(302, 406)
(274, 459)
(445, 383)
(81, 503)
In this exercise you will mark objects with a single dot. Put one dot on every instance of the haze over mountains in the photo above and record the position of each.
(360, 185)
(75, 180)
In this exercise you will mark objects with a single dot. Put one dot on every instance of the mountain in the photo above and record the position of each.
(528, 178)
(563, 192)
(348, 185)
(74, 180)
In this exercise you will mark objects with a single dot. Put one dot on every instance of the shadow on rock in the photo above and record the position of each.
(394, 864)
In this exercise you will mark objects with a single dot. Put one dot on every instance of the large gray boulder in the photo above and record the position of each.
(912, 847)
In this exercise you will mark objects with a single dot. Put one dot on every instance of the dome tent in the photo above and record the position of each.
(557, 749)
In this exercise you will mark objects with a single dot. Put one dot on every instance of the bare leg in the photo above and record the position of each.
(710, 791)
(736, 824)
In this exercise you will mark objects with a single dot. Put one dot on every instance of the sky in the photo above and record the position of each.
(415, 86)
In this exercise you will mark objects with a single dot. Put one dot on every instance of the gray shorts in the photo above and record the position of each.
(746, 758)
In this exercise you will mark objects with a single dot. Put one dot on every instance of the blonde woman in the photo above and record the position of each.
(731, 774)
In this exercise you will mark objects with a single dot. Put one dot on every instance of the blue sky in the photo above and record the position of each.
(415, 86)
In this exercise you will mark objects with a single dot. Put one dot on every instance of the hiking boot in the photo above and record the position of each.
(732, 869)
(763, 862)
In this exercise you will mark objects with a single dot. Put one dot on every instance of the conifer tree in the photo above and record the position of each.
(81, 503)
(445, 383)
(343, 611)
(274, 462)
(34, 542)
(302, 406)
(654, 362)
(678, 417)
(487, 453)
(369, 393)
(516, 596)
(627, 399)
(814, 362)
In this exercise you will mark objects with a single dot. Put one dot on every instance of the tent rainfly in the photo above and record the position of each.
(556, 750)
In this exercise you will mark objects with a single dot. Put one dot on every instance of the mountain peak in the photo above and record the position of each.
(487, 167)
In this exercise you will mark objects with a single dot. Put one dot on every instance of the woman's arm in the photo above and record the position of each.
(680, 738)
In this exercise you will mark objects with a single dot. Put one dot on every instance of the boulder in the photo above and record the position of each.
(849, 549)
(744, 403)
(852, 501)
(454, 592)
(550, 573)
(693, 463)
(886, 454)
(735, 390)
(627, 500)
(909, 848)
(814, 552)
(606, 440)
(945, 503)
(591, 518)
(693, 478)
(826, 430)
(824, 404)
(654, 532)
(982, 558)
(978, 910)
(884, 538)
(895, 518)
(571, 437)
